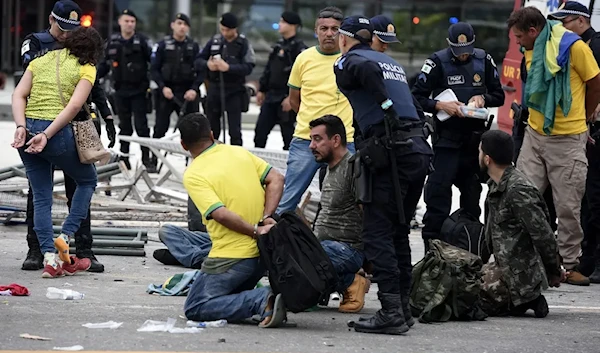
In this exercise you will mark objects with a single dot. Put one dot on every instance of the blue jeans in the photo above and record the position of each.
(301, 169)
(346, 261)
(228, 295)
(61, 152)
(189, 248)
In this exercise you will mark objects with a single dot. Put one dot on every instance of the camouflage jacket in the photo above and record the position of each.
(518, 233)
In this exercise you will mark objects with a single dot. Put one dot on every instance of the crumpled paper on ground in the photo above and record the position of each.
(169, 326)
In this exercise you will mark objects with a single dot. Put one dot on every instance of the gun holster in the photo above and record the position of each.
(361, 179)
(374, 154)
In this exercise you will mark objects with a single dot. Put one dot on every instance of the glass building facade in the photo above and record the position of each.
(422, 25)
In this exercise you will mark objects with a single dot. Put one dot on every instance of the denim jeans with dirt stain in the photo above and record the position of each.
(60, 151)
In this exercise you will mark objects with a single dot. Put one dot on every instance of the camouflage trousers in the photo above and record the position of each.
(494, 295)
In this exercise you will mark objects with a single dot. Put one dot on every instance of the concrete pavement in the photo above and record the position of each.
(119, 295)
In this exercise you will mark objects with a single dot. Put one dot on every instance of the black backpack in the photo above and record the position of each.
(298, 266)
(465, 231)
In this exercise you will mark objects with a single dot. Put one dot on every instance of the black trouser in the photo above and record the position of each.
(453, 166)
(385, 239)
(590, 210)
(70, 186)
(165, 107)
(271, 115)
(132, 104)
(518, 142)
(233, 106)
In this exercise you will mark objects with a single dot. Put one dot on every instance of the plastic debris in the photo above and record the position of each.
(72, 348)
(169, 326)
(109, 324)
(33, 337)
(65, 294)
(205, 324)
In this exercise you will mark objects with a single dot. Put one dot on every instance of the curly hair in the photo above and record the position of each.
(86, 44)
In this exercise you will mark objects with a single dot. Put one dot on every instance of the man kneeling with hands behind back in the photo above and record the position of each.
(518, 233)
(226, 184)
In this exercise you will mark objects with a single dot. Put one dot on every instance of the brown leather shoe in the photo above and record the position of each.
(354, 296)
(577, 279)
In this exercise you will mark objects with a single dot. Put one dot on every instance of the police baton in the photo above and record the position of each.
(181, 113)
(489, 122)
(396, 178)
(182, 108)
(223, 111)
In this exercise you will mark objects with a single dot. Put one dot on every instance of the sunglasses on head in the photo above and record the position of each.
(331, 14)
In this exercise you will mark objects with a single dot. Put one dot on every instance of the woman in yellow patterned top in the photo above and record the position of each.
(44, 137)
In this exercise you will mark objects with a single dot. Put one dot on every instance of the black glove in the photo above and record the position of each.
(392, 118)
(111, 132)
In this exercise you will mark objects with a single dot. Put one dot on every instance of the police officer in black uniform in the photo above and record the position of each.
(65, 17)
(174, 72)
(273, 93)
(227, 57)
(128, 57)
(576, 17)
(395, 150)
(472, 75)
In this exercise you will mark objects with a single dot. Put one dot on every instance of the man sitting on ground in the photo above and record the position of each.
(518, 233)
(339, 224)
(234, 205)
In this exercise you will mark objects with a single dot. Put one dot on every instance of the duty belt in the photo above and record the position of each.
(399, 136)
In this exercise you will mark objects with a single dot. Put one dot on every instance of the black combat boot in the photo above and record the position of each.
(595, 276)
(408, 318)
(126, 161)
(83, 245)
(539, 306)
(147, 161)
(388, 320)
(35, 259)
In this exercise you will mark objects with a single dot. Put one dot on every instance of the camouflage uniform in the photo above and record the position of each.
(519, 235)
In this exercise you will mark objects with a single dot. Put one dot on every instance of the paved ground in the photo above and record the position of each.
(119, 295)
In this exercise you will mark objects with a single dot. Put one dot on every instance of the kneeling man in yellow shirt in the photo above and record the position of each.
(235, 191)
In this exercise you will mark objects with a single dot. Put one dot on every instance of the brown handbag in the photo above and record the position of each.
(87, 140)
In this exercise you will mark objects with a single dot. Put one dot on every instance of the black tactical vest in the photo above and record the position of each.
(231, 52)
(178, 63)
(128, 59)
(282, 60)
(466, 80)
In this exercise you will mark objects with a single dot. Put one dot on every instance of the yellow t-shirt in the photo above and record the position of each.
(232, 177)
(44, 100)
(313, 75)
(583, 69)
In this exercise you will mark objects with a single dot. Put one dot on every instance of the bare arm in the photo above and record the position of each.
(295, 99)
(19, 98)
(232, 221)
(592, 97)
(273, 191)
(80, 95)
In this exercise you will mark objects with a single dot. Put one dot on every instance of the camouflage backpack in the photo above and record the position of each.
(446, 285)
